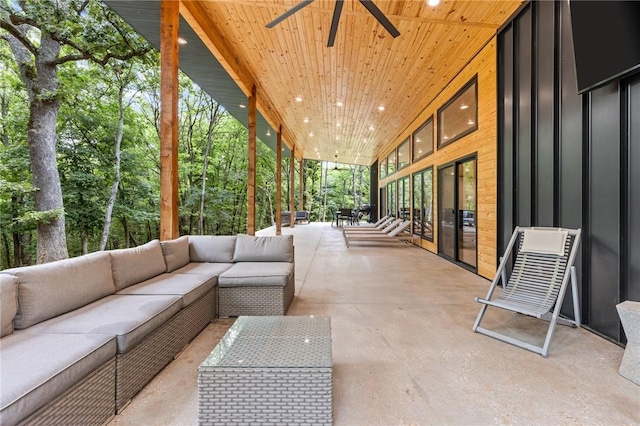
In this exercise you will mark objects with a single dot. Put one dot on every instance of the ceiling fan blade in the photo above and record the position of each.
(337, 10)
(377, 13)
(289, 12)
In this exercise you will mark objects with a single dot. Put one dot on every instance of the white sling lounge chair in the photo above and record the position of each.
(397, 234)
(543, 266)
(368, 226)
(388, 227)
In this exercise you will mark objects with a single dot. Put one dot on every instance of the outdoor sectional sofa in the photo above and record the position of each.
(81, 336)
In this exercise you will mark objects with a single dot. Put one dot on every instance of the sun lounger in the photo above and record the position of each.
(397, 234)
(379, 224)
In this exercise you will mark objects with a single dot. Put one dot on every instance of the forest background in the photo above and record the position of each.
(79, 143)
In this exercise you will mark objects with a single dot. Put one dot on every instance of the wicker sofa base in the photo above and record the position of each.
(255, 300)
(197, 316)
(136, 368)
(90, 402)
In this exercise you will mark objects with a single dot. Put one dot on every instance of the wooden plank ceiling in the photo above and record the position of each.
(341, 88)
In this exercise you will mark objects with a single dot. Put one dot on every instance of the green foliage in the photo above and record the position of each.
(32, 218)
(91, 96)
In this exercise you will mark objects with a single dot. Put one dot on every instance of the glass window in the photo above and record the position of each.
(383, 169)
(423, 140)
(391, 199)
(391, 163)
(457, 237)
(404, 158)
(423, 204)
(404, 198)
(459, 116)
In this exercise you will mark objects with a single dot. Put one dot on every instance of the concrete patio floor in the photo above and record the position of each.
(404, 352)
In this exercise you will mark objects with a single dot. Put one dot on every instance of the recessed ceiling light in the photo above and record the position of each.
(242, 106)
(268, 132)
(298, 98)
(464, 106)
(371, 128)
(470, 122)
(311, 135)
(337, 138)
(339, 103)
(418, 140)
(182, 41)
(338, 124)
(433, 3)
(380, 108)
(306, 119)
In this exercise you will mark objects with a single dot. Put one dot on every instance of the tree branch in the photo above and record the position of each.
(18, 35)
(101, 61)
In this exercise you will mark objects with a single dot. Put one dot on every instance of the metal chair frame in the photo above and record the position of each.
(536, 287)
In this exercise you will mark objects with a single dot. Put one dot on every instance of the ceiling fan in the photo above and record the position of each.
(337, 11)
(335, 166)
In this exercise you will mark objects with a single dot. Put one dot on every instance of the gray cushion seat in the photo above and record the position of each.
(129, 318)
(36, 368)
(189, 286)
(209, 269)
(256, 274)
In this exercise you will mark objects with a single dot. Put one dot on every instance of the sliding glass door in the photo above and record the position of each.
(457, 212)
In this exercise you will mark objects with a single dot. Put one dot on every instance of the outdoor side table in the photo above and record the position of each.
(269, 370)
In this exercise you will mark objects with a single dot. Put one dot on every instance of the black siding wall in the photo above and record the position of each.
(373, 192)
(568, 160)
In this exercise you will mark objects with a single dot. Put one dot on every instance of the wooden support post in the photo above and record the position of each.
(292, 189)
(251, 195)
(169, 23)
(301, 200)
(279, 182)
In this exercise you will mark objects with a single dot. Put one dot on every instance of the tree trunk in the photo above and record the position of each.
(212, 121)
(42, 85)
(116, 167)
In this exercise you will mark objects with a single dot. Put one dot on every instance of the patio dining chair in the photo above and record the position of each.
(536, 286)
(343, 215)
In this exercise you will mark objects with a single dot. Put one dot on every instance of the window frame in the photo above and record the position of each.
(415, 155)
(391, 163)
(406, 144)
(452, 105)
(421, 175)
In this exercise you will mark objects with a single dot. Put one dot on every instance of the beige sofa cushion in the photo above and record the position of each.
(212, 248)
(176, 253)
(264, 249)
(51, 289)
(257, 274)
(136, 264)
(8, 303)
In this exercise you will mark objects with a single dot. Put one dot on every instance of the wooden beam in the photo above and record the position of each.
(169, 23)
(251, 186)
(292, 188)
(301, 200)
(279, 182)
